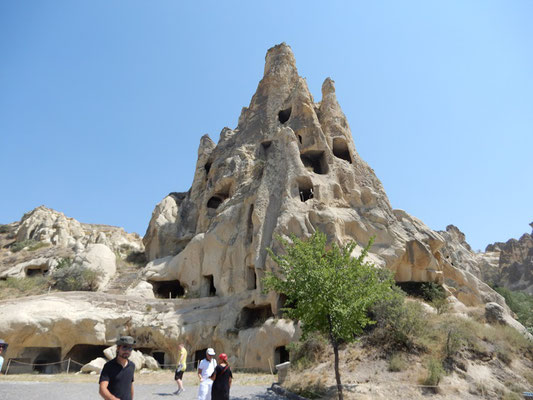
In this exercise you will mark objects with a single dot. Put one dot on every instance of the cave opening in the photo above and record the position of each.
(281, 355)
(168, 289)
(252, 316)
(284, 115)
(315, 161)
(83, 354)
(340, 149)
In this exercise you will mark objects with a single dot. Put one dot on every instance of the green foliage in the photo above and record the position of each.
(399, 323)
(522, 305)
(435, 372)
(63, 263)
(328, 290)
(4, 228)
(18, 246)
(71, 278)
(432, 291)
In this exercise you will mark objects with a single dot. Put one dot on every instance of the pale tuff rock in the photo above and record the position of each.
(289, 167)
(143, 289)
(60, 238)
(65, 320)
(100, 258)
(46, 225)
(95, 365)
(40, 265)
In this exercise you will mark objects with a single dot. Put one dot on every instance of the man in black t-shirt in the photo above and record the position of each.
(116, 378)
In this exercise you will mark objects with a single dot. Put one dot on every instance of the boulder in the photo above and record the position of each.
(95, 365)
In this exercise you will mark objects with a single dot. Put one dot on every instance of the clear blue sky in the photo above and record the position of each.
(103, 103)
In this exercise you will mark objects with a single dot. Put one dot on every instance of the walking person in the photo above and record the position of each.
(116, 378)
(3, 347)
(205, 370)
(222, 378)
(180, 368)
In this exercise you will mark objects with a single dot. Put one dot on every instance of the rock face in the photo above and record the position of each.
(56, 237)
(289, 167)
(515, 264)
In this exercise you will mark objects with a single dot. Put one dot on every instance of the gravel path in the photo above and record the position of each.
(89, 391)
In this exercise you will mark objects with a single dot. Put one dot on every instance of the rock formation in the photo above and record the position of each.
(289, 167)
(515, 264)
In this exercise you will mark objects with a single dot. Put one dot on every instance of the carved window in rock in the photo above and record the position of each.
(219, 197)
(305, 190)
(199, 355)
(208, 286)
(315, 161)
(284, 115)
(341, 150)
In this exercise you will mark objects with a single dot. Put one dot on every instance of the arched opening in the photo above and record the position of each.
(207, 167)
(315, 161)
(252, 316)
(340, 149)
(167, 289)
(159, 356)
(218, 198)
(251, 278)
(281, 355)
(284, 115)
(46, 356)
(266, 144)
(83, 354)
(208, 286)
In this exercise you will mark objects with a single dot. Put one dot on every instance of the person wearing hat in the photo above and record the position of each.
(116, 378)
(3, 347)
(205, 370)
(221, 378)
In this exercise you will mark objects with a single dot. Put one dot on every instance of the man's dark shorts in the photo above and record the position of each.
(178, 375)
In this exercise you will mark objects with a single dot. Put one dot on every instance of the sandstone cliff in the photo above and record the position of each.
(289, 167)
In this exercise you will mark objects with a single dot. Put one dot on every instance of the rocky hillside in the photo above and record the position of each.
(289, 167)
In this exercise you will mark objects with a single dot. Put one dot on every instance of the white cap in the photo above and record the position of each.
(210, 351)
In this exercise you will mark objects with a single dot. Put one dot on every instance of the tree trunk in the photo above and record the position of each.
(337, 373)
(335, 345)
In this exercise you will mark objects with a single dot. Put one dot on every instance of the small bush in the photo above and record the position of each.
(63, 263)
(4, 228)
(397, 363)
(38, 245)
(75, 278)
(307, 352)
(398, 323)
(18, 246)
(435, 371)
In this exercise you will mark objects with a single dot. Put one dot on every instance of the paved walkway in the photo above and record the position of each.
(89, 391)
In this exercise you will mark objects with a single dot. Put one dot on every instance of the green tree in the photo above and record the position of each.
(327, 289)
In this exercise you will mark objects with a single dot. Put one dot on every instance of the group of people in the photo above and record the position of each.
(116, 378)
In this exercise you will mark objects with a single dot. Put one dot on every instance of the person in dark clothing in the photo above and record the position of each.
(222, 378)
(116, 378)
